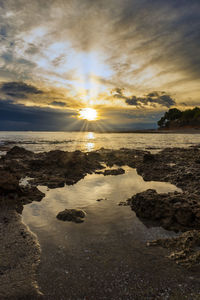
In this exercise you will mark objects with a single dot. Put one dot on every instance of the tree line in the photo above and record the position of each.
(175, 118)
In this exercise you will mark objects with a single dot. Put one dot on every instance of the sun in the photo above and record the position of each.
(88, 114)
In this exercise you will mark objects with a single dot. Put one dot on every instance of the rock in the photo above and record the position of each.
(56, 183)
(148, 158)
(30, 194)
(8, 182)
(74, 215)
(184, 215)
(114, 172)
(174, 211)
(100, 199)
(123, 203)
(19, 152)
(118, 171)
(13, 195)
(185, 248)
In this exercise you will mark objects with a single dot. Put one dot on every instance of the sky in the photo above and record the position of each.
(130, 60)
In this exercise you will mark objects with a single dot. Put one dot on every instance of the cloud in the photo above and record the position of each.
(118, 93)
(19, 90)
(153, 99)
(60, 47)
(28, 94)
(160, 99)
(20, 117)
(133, 36)
(58, 103)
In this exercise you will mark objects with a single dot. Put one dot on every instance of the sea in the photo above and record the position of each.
(90, 141)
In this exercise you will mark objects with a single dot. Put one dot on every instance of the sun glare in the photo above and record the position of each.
(89, 114)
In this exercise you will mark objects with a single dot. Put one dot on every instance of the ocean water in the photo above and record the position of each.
(89, 141)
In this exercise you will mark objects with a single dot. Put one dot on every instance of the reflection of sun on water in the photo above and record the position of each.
(88, 114)
(90, 135)
(89, 145)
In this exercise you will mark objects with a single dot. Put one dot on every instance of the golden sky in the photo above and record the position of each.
(130, 60)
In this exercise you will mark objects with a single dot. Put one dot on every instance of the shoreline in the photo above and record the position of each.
(157, 131)
(54, 169)
(20, 257)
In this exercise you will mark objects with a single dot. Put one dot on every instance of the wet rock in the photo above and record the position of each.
(175, 165)
(74, 215)
(8, 182)
(118, 171)
(185, 249)
(19, 152)
(101, 199)
(123, 203)
(30, 194)
(114, 172)
(148, 158)
(4, 148)
(174, 211)
(56, 183)
(56, 168)
(130, 157)
(15, 196)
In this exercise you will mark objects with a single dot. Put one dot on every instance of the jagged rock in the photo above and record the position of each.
(30, 194)
(118, 171)
(114, 172)
(101, 199)
(74, 215)
(175, 211)
(8, 182)
(123, 203)
(185, 248)
(19, 152)
(148, 158)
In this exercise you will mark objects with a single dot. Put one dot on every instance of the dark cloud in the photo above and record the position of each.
(162, 100)
(152, 99)
(20, 117)
(58, 103)
(21, 90)
(118, 93)
(32, 49)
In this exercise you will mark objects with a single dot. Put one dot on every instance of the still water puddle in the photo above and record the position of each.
(106, 253)
(102, 217)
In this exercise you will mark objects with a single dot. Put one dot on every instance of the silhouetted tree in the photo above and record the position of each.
(178, 118)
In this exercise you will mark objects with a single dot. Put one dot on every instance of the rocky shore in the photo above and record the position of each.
(179, 212)
(19, 258)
